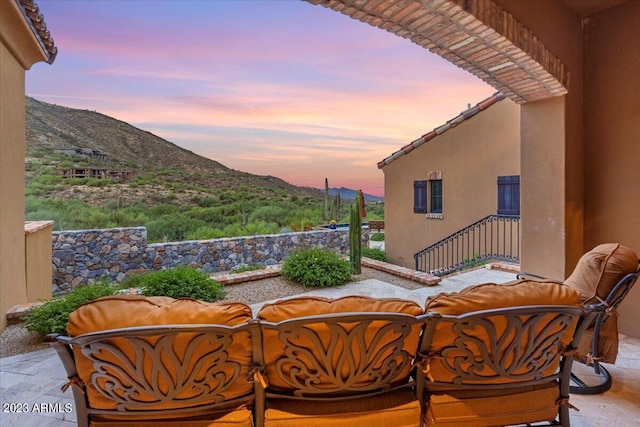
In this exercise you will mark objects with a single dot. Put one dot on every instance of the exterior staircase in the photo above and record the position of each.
(492, 238)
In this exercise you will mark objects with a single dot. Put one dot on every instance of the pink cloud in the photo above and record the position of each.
(284, 89)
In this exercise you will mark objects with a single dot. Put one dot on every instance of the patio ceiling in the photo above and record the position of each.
(585, 8)
(476, 35)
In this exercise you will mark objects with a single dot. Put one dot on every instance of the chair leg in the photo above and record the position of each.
(593, 382)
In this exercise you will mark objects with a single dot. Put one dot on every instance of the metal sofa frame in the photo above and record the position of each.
(523, 349)
(379, 340)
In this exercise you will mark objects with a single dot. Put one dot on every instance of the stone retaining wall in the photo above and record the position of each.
(84, 256)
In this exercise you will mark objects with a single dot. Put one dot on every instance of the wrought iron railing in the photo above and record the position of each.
(494, 237)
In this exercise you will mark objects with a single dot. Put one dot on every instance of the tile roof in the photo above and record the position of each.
(466, 114)
(32, 13)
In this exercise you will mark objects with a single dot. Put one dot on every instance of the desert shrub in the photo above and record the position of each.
(172, 228)
(76, 181)
(205, 201)
(376, 237)
(260, 227)
(269, 213)
(375, 253)
(127, 218)
(99, 182)
(316, 267)
(205, 232)
(52, 316)
(375, 211)
(211, 215)
(49, 177)
(180, 282)
(34, 189)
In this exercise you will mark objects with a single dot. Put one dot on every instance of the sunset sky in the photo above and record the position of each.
(281, 88)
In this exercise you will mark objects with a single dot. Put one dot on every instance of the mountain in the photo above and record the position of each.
(347, 193)
(51, 128)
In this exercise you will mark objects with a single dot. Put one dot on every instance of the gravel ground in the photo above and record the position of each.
(15, 339)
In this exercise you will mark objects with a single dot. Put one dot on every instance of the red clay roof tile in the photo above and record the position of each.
(32, 13)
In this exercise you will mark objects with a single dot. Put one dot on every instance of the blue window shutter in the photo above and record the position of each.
(420, 196)
(509, 195)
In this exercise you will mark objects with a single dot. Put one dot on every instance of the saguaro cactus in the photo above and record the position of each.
(355, 236)
(326, 212)
(332, 205)
(335, 207)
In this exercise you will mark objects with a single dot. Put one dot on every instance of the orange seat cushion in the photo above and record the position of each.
(241, 417)
(483, 408)
(395, 409)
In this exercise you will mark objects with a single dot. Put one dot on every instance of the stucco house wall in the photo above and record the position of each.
(20, 47)
(470, 157)
(580, 174)
(611, 132)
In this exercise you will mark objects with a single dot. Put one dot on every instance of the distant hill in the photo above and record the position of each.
(347, 193)
(50, 128)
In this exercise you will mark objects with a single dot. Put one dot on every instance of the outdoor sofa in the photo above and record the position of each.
(488, 355)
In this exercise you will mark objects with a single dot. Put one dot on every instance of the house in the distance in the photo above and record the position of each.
(448, 179)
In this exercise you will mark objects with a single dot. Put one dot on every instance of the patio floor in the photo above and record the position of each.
(31, 382)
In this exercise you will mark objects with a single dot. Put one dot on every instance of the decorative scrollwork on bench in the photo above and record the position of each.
(518, 348)
(341, 358)
(179, 370)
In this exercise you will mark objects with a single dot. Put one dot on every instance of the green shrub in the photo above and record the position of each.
(376, 237)
(205, 233)
(375, 253)
(172, 228)
(52, 316)
(181, 282)
(316, 267)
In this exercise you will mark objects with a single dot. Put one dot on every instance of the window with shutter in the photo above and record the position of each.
(509, 195)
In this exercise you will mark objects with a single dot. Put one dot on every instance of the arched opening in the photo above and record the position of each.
(563, 62)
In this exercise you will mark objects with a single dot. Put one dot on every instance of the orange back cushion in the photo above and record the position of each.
(444, 350)
(600, 269)
(325, 358)
(132, 372)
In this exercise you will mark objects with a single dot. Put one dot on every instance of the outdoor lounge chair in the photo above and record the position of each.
(126, 367)
(495, 355)
(603, 276)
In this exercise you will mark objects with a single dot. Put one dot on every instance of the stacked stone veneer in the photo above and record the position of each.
(84, 256)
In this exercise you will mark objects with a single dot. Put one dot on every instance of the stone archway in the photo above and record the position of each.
(483, 38)
(476, 35)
